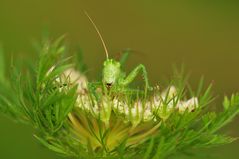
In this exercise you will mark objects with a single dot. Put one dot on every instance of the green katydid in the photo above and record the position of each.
(113, 76)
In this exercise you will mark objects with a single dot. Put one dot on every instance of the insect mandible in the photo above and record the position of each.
(112, 75)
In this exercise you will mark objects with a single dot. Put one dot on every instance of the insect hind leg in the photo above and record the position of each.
(132, 75)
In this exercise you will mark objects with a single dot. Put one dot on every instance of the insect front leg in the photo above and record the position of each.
(132, 75)
(92, 87)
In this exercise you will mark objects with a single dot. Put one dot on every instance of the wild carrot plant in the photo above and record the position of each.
(79, 118)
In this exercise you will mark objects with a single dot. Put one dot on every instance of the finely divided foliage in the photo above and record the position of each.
(72, 120)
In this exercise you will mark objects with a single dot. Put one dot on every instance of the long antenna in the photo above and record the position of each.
(101, 38)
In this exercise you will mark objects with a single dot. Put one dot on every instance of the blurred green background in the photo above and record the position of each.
(202, 34)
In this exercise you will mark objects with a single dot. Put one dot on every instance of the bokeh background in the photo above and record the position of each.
(202, 34)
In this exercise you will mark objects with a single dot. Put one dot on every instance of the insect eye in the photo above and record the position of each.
(104, 64)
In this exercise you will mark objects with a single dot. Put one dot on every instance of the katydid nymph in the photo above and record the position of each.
(112, 76)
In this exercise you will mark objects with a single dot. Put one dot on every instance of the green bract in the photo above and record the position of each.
(70, 119)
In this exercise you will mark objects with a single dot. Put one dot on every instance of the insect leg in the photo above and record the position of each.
(132, 75)
(92, 86)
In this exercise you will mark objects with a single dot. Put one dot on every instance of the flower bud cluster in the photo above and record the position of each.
(160, 105)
